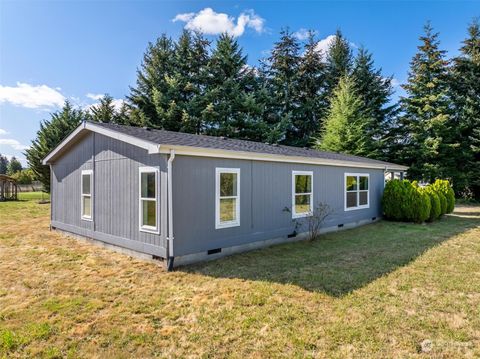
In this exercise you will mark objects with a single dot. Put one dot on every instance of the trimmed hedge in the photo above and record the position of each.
(406, 201)
(443, 186)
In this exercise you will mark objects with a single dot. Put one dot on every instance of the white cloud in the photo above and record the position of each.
(3, 132)
(13, 143)
(303, 34)
(94, 96)
(324, 44)
(395, 82)
(210, 22)
(31, 96)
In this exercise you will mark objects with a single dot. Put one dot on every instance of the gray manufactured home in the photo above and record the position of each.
(184, 198)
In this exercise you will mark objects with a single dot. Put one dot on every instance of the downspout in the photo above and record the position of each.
(170, 257)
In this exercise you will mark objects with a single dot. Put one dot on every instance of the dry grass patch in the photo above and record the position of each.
(384, 290)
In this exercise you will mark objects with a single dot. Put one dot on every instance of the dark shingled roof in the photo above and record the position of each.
(221, 143)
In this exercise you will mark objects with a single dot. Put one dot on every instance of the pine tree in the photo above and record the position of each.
(3, 164)
(104, 111)
(232, 109)
(51, 133)
(346, 126)
(375, 91)
(14, 166)
(465, 94)
(149, 97)
(281, 73)
(313, 104)
(425, 119)
(338, 62)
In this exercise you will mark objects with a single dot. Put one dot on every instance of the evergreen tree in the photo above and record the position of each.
(312, 102)
(232, 109)
(14, 166)
(281, 73)
(51, 133)
(375, 91)
(104, 111)
(465, 93)
(3, 164)
(149, 98)
(425, 119)
(338, 62)
(346, 126)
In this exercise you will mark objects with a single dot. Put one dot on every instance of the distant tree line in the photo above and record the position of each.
(335, 100)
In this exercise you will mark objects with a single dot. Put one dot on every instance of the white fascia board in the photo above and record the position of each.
(151, 147)
(217, 153)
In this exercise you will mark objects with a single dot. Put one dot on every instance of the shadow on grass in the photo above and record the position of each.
(338, 263)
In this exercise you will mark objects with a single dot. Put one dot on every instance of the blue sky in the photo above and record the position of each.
(77, 50)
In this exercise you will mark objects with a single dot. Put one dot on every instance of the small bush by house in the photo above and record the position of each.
(407, 201)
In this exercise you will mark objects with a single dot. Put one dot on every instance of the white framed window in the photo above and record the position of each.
(357, 192)
(148, 199)
(86, 195)
(302, 193)
(227, 197)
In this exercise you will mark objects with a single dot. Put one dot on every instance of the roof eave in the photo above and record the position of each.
(151, 147)
(220, 153)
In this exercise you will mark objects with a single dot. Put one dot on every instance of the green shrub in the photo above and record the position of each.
(444, 187)
(443, 203)
(393, 196)
(435, 211)
(405, 201)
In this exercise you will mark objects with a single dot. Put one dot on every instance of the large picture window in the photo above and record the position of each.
(302, 193)
(87, 203)
(227, 189)
(357, 194)
(148, 199)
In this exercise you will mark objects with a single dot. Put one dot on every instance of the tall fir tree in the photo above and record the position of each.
(232, 110)
(51, 133)
(346, 126)
(149, 97)
(425, 123)
(312, 101)
(338, 62)
(281, 73)
(104, 111)
(375, 91)
(465, 94)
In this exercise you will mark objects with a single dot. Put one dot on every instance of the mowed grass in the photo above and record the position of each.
(383, 290)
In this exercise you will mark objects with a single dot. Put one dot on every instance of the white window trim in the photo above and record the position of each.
(142, 228)
(90, 173)
(236, 222)
(357, 191)
(303, 214)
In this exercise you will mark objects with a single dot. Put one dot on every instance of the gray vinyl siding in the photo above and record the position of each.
(265, 190)
(115, 192)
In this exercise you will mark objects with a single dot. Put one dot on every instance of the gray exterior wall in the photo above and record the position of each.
(265, 190)
(115, 193)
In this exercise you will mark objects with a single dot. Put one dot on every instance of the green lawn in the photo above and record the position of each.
(33, 196)
(383, 290)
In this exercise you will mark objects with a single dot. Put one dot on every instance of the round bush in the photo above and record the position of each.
(435, 211)
(443, 203)
(443, 186)
(421, 205)
(405, 201)
(393, 196)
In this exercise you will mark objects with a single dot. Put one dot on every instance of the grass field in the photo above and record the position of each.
(383, 290)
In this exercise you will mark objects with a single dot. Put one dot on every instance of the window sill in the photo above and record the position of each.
(151, 230)
(227, 225)
(356, 208)
(89, 219)
(301, 215)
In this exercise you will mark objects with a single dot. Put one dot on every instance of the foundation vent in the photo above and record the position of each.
(213, 251)
(340, 225)
(374, 218)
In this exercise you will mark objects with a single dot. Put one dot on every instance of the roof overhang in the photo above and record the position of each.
(153, 147)
(86, 127)
(243, 155)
